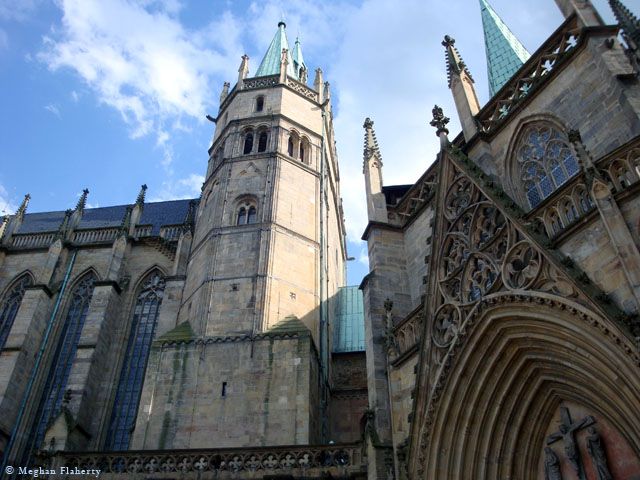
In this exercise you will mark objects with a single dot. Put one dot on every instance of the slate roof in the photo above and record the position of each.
(157, 214)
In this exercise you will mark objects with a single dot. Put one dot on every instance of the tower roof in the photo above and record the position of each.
(298, 59)
(270, 64)
(627, 20)
(505, 53)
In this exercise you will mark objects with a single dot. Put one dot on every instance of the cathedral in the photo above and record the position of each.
(496, 335)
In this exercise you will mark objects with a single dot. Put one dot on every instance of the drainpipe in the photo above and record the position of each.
(36, 367)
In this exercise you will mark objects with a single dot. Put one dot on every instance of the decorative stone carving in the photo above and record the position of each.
(521, 266)
(598, 455)
(551, 465)
(567, 433)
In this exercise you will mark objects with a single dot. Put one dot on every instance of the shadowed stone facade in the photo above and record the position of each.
(501, 310)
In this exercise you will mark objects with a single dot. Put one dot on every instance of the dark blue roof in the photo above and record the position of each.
(173, 212)
(103, 217)
(41, 222)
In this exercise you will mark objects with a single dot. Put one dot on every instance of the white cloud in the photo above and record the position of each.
(187, 187)
(139, 59)
(17, 10)
(7, 206)
(75, 96)
(53, 109)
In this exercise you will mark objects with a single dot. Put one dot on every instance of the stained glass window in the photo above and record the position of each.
(143, 325)
(63, 358)
(546, 162)
(10, 304)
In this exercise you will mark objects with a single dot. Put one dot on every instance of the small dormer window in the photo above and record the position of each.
(259, 104)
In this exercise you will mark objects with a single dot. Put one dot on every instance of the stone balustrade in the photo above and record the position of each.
(33, 240)
(325, 461)
(103, 235)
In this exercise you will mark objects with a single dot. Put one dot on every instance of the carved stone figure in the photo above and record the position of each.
(551, 465)
(598, 455)
(567, 432)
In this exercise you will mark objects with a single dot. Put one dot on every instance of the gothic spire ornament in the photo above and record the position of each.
(141, 194)
(82, 201)
(22, 209)
(627, 20)
(439, 121)
(455, 64)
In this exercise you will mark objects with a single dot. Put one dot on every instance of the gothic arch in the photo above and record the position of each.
(10, 301)
(512, 167)
(15, 280)
(518, 358)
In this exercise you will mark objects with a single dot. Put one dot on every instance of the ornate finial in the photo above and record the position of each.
(82, 201)
(22, 209)
(141, 194)
(439, 121)
(370, 142)
(282, 24)
(455, 65)
(627, 20)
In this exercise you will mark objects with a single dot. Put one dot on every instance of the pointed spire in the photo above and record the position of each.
(22, 209)
(627, 20)
(141, 194)
(455, 65)
(82, 201)
(462, 87)
(298, 61)
(224, 92)
(370, 142)
(270, 64)
(243, 71)
(505, 53)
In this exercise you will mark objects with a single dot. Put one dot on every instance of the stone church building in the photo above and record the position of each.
(496, 336)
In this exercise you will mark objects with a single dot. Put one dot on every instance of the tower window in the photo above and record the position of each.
(247, 213)
(248, 143)
(262, 142)
(242, 216)
(251, 217)
(224, 389)
(259, 104)
(290, 147)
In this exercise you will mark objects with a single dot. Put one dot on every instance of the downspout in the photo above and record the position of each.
(323, 363)
(34, 371)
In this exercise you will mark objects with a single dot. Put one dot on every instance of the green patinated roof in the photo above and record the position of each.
(290, 324)
(181, 333)
(505, 53)
(348, 332)
(270, 64)
(298, 59)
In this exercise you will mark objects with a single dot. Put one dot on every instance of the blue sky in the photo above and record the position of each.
(111, 94)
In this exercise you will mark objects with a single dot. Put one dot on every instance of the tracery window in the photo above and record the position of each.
(10, 304)
(65, 353)
(143, 325)
(546, 162)
(248, 143)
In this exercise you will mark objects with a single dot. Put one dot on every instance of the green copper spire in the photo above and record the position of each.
(505, 53)
(270, 64)
(298, 59)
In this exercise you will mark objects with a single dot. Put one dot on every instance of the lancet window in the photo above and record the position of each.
(56, 383)
(10, 304)
(262, 141)
(248, 143)
(546, 161)
(143, 325)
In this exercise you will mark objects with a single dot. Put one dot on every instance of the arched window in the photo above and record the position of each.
(262, 142)
(570, 211)
(545, 160)
(584, 200)
(242, 216)
(248, 143)
(290, 147)
(247, 212)
(143, 326)
(304, 150)
(10, 304)
(65, 353)
(251, 216)
(555, 222)
(259, 104)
